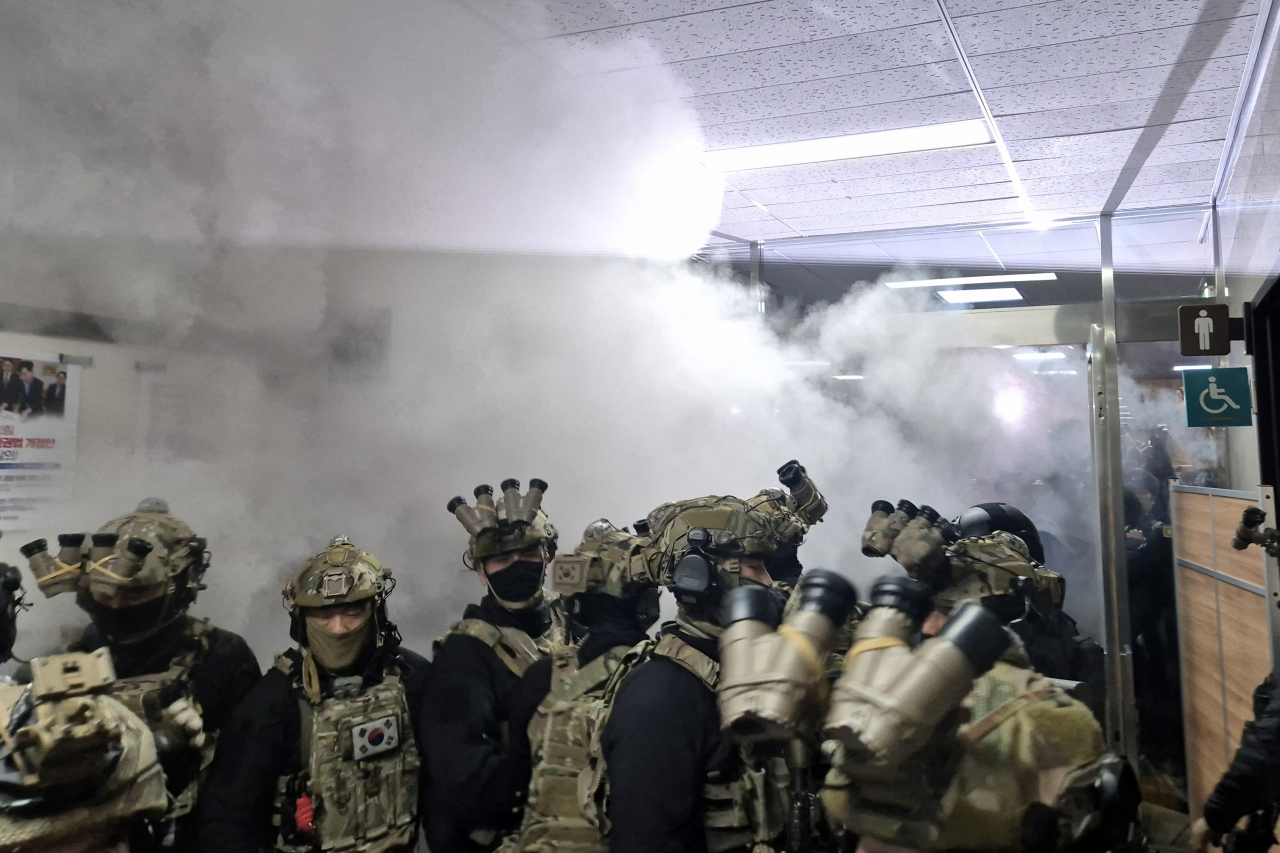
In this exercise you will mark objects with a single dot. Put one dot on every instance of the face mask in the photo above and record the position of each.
(125, 622)
(338, 653)
(518, 583)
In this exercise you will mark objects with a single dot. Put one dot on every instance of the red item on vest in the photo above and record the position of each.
(304, 815)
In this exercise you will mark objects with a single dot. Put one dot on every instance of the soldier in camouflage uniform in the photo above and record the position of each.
(611, 596)
(325, 753)
(77, 768)
(674, 782)
(475, 786)
(136, 580)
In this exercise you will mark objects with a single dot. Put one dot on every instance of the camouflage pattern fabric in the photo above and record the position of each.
(1023, 741)
(608, 560)
(363, 786)
(340, 574)
(989, 565)
(133, 787)
(515, 536)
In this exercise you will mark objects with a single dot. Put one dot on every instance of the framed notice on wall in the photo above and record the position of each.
(39, 405)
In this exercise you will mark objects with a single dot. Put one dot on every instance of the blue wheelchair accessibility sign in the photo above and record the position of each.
(1217, 397)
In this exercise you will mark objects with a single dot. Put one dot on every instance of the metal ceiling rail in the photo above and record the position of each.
(1255, 71)
(996, 136)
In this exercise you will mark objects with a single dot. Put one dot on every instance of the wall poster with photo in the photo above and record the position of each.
(39, 405)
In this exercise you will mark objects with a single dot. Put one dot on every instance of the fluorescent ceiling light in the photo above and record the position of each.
(975, 279)
(1057, 373)
(847, 376)
(1193, 367)
(972, 297)
(1038, 356)
(930, 137)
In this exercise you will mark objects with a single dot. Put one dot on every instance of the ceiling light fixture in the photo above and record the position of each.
(1193, 367)
(975, 279)
(930, 137)
(1038, 356)
(847, 376)
(973, 297)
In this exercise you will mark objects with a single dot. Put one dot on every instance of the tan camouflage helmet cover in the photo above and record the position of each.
(778, 507)
(608, 560)
(340, 574)
(988, 565)
(735, 528)
(169, 556)
(506, 538)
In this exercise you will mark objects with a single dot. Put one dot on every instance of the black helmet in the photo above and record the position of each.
(985, 519)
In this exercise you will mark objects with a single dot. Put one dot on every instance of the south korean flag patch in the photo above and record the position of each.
(374, 737)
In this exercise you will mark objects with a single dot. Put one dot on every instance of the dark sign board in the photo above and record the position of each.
(1204, 329)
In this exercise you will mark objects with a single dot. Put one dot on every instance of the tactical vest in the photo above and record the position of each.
(148, 696)
(567, 808)
(84, 732)
(516, 649)
(358, 768)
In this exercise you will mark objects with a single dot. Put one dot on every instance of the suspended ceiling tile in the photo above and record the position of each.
(1019, 244)
(1080, 164)
(854, 90)
(916, 45)
(961, 8)
(1170, 193)
(1172, 173)
(1116, 53)
(833, 252)
(964, 212)
(1077, 201)
(937, 248)
(571, 16)
(925, 111)
(808, 209)
(1118, 142)
(760, 230)
(1045, 24)
(864, 167)
(744, 214)
(757, 26)
(1107, 117)
(1115, 86)
(876, 185)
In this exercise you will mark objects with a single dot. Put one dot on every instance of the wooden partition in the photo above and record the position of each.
(1222, 628)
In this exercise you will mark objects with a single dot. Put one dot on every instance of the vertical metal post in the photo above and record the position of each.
(759, 290)
(1271, 570)
(1121, 728)
(1219, 272)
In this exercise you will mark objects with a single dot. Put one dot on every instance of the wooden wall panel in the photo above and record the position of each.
(1193, 540)
(1201, 682)
(1246, 653)
(1245, 565)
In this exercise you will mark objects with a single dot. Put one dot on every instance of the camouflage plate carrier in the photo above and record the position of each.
(76, 764)
(1023, 741)
(569, 791)
(358, 765)
(516, 649)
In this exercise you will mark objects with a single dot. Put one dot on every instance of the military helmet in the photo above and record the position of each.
(608, 560)
(984, 519)
(993, 565)
(340, 574)
(513, 524)
(696, 545)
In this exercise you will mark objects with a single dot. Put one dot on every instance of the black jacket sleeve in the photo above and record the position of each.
(224, 677)
(1249, 782)
(258, 745)
(472, 782)
(656, 748)
(523, 705)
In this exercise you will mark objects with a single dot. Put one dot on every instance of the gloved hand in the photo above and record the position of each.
(183, 715)
(1203, 838)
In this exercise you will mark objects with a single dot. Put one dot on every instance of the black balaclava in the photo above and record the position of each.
(518, 582)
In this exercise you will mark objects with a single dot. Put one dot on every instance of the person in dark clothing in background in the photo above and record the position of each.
(55, 396)
(474, 787)
(1251, 785)
(325, 752)
(30, 392)
(9, 385)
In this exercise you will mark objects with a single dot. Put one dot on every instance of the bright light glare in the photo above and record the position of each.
(932, 137)
(972, 297)
(1038, 356)
(975, 279)
(1056, 372)
(1010, 405)
(1002, 346)
(1193, 367)
(847, 376)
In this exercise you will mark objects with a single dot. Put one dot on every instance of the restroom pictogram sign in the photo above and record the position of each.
(1204, 329)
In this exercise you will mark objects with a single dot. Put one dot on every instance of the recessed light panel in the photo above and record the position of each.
(974, 297)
